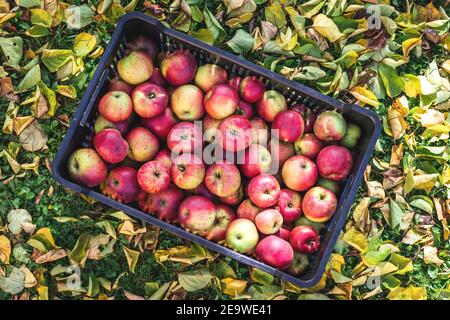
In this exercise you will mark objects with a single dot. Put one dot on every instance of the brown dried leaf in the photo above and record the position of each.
(52, 255)
(33, 138)
(396, 154)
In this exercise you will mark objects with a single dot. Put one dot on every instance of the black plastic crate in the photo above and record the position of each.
(138, 23)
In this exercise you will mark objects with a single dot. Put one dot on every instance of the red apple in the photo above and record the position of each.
(179, 67)
(304, 239)
(290, 205)
(299, 264)
(234, 133)
(185, 137)
(319, 204)
(118, 84)
(234, 199)
(149, 100)
(208, 75)
(143, 144)
(275, 252)
(101, 123)
(187, 171)
(260, 131)
(242, 235)
(270, 105)
(269, 221)
(244, 109)
(288, 126)
(115, 106)
(299, 173)
(196, 214)
(201, 190)
(163, 204)
(187, 103)
(210, 128)
(235, 82)
(309, 146)
(164, 156)
(283, 233)
(136, 67)
(221, 101)
(222, 179)
(247, 210)
(86, 167)
(330, 126)
(280, 151)
(110, 145)
(121, 185)
(334, 162)
(153, 177)
(224, 216)
(308, 115)
(162, 123)
(257, 160)
(264, 190)
(157, 78)
(251, 89)
(145, 43)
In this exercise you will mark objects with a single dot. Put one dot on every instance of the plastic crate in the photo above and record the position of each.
(81, 129)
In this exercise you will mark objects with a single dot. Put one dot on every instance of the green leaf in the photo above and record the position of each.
(31, 79)
(204, 34)
(94, 287)
(14, 282)
(212, 24)
(84, 43)
(309, 73)
(275, 15)
(392, 82)
(261, 277)
(241, 42)
(28, 3)
(12, 49)
(396, 214)
(194, 280)
(56, 58)
(79, 251)
(37, 31)
(41, 17)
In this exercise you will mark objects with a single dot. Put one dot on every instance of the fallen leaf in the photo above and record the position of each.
(132, 258)
(33, 137)
(409, 293)
(5, 249)
(194, 280)
(326, 27)
(430, 256)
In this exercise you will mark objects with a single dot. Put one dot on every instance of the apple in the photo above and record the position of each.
(185, 137)
(143, 144)
(299, 173)
(144, 43)
(86, 167)
(275, 252)
(110, 145)
(201, 190)
(260, 131)
(197, 214)
(299, 264)
(187, 171)
(115, 106)
(309, 117)
(233, 199)
(121, 184)
(209, 128)
(269, 221)
(179, 67)
(157, 78)
(242, 235)
(244, 109)
(319, 204)
(209, 75)
(264, 190)
(163, 204)
(224, 216)
(235, 82)
(118, 84)
(330, 126)
(290, 205)
(288, 126)
(251, 89)
(283, 233)
(304, 239)
(221, 101)
(280, 151)
(304, 221)
(101, 123)
(248, 210)
(352, 136)
(329, 184)
(270, 105)
(153, 177)
(309, 146)
(136, 67)
(222, 179)
(161, 124)
(334, 162)
(234, 133)
(149, 99)
(257, 160)
(164, 156)
(187, 102)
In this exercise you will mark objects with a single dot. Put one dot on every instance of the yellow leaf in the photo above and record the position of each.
(5, 250)
(356, 239)
(84, 43)
(336, 262)
(132, 258)
(67, 91)
(365, 96)
(446, 66)
(408, 45)
(97, 53)
(41, 18)
(425, 181)
(411, 85)
(396, 122)
(29, 281)
(233, 287)
(409, 293)
(20, 123)
(42, 293)
(48, 235)
(327, 28)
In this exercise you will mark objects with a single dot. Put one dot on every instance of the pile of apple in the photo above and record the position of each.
(146, 145)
